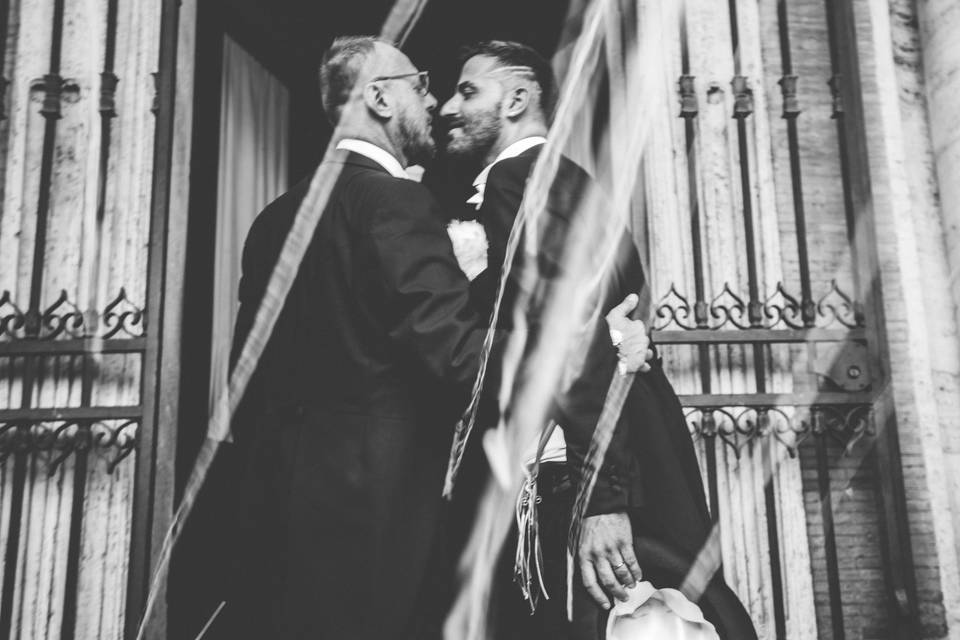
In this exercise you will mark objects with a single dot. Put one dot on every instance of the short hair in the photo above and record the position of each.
(339, 70)
(516, 54)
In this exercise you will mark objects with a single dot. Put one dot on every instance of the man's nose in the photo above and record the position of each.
(431, 103)
(450, 107)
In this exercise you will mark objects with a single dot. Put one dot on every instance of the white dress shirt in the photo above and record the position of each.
(369, 150)
(512, 151)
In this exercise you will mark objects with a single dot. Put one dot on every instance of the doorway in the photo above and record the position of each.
(287, 38)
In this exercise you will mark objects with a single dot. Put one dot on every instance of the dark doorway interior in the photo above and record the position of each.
(288, 37)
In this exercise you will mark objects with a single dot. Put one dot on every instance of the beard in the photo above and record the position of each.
(415, 139)
(477, 135)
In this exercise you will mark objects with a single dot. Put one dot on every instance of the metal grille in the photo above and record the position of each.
(837, 413)
(79, 321)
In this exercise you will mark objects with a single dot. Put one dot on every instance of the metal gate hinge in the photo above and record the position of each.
(844, 366)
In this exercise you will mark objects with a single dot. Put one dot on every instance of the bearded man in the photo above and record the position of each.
(346, 424)
(648, 517)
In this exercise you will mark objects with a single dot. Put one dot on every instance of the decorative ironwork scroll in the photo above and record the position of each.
(781, 309)
(115, 439)
(64, 319)
(737, 427)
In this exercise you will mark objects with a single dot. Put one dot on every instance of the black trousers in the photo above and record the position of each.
(662, 563)
(309, 565)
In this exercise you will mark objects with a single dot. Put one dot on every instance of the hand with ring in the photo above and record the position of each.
(629, 337)
(608, 565)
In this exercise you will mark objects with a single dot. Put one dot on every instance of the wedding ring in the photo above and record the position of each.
(616, 337)
(619, 565)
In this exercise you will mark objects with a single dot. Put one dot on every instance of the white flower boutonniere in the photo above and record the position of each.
(469, 246)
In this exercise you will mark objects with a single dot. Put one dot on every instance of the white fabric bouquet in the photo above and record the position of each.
(469, 246)
(658, 613)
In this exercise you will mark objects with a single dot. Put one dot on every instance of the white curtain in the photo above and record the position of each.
(254, 138)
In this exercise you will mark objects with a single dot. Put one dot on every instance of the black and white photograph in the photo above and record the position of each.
(479, 320)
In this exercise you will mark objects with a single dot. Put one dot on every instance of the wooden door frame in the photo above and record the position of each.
(153, 496)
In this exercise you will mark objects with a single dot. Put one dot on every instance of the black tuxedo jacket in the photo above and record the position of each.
(651, 469)
(347, 424)
(650, 464)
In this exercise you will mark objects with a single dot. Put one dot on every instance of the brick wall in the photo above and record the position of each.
(923, 351)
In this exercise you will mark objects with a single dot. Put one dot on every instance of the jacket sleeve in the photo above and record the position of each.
(578, 410)
(619, 483)
(427, 297)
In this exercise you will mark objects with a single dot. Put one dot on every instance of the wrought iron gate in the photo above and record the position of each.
(836, 418)
(81, 319)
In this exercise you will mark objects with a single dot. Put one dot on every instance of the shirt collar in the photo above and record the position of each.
(369, 150)
(512, 151)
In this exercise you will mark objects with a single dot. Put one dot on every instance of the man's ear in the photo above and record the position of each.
(516, 102)
(376, 101)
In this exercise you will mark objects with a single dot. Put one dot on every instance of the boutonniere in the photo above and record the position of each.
(469, 246)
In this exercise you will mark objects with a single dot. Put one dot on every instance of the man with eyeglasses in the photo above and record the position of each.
(374, 353)
(345, 428)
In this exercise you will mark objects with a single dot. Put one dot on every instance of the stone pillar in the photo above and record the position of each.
(939, 24)
(914, 246)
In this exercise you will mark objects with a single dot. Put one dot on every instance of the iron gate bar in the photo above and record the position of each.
(829, 541)
(764, 400)
(858, 198)
(769, 336)
(689, 109)
(145, 520)
(743, 109)
(108, 111)
(53, 86)
(840, 99)
(791, 111)
(11, 552)
(72, 346)
(773, 538)
(58, 414)
(70, 593)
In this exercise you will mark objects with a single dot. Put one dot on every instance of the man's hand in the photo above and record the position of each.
(607, 561)
(629, 337)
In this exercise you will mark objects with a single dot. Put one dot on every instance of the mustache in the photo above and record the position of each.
(452, 122)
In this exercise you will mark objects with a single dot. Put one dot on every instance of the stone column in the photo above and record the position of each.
(914, 243)
(939, 25)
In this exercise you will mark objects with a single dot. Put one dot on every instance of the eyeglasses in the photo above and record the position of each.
(421, 85)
